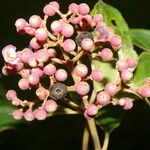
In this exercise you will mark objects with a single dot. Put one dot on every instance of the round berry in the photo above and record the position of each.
(97, 75)
(58, 91)
(49, 10)
(81, 70)
(103, 98)
(121, 65)
(56, 26)
(84, 9)
(35, 21)
(106, 54)
(82, 88)
(16, 101)
(40, 114)
(50, 106)
(42, 56)
(69, 45)
(26, 55)
(29, 115)
(23, 84)
(41, 34)
(49, 69)
(30, 30)
(73, 7)
(75, 20)
(11, 94)
(116, 42)
(111, 88)
(132, 63)
(67, 30)
(38, 71)
(33, 79)
(61, 75)
(98, 18)
(17, 114)
(144, 91)
(52, 52)
(126, 103)
(91, 110)
(41, 93)
(32, 62)
(87, 44)
(35, 44)
(126, 75)
(20, 24)
(25, 73)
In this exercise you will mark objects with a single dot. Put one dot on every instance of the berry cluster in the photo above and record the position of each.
(56, 51)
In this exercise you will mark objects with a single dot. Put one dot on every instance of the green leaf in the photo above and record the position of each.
(109, 71)
(109, 117)
(6, 119)
(114, 19)
(141, 38)
(142, 70)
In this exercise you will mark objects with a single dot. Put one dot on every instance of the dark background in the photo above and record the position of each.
(65, 132)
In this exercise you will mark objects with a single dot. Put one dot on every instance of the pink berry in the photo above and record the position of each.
(82, 88)
(26, 55)
(20, 24)
(106, 54)
(35, 21)
(67, 30)
(87, 116)
(97, 75)
(49, 69)
(56, 26)
(91, 110)
(111, 88)
(116, 42)
(81, 70)
(75, 20)
(52, 52)
(11, 94)
(30, 30)
(32, 62)
(50, 106)
(121, 65)
(41, 34)
(84, 9)
(19, 66)
(16, 101)
(40, 114)
(126, 75)
(23, 84)
(49, 11)
(41, 93)
(73, 7)
(29, 115)
(98, 18)
(42, 56)
(144, 91)
(69, 45)
(86, 21)
(54, 5)
(126, 103)
(17, 114)
(33, 79)
(87, 44)
(132, 63)
(35, 44)
(38, 71)
(61, 75)
(103, 98)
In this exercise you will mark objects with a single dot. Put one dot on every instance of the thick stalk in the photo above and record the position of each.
(106, 141)
(94, 134)
(85, 141)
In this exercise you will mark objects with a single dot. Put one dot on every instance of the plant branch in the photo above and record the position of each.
(106, 141)
(147, 101)
(94, 134)
(85, 138)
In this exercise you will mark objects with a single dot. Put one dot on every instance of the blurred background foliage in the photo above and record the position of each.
(65, 132)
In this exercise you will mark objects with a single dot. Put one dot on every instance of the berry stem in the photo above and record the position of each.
(85, 138)
(73, 105)
(77, 57)
(106, 141)
(94, 134)
(93, 96)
